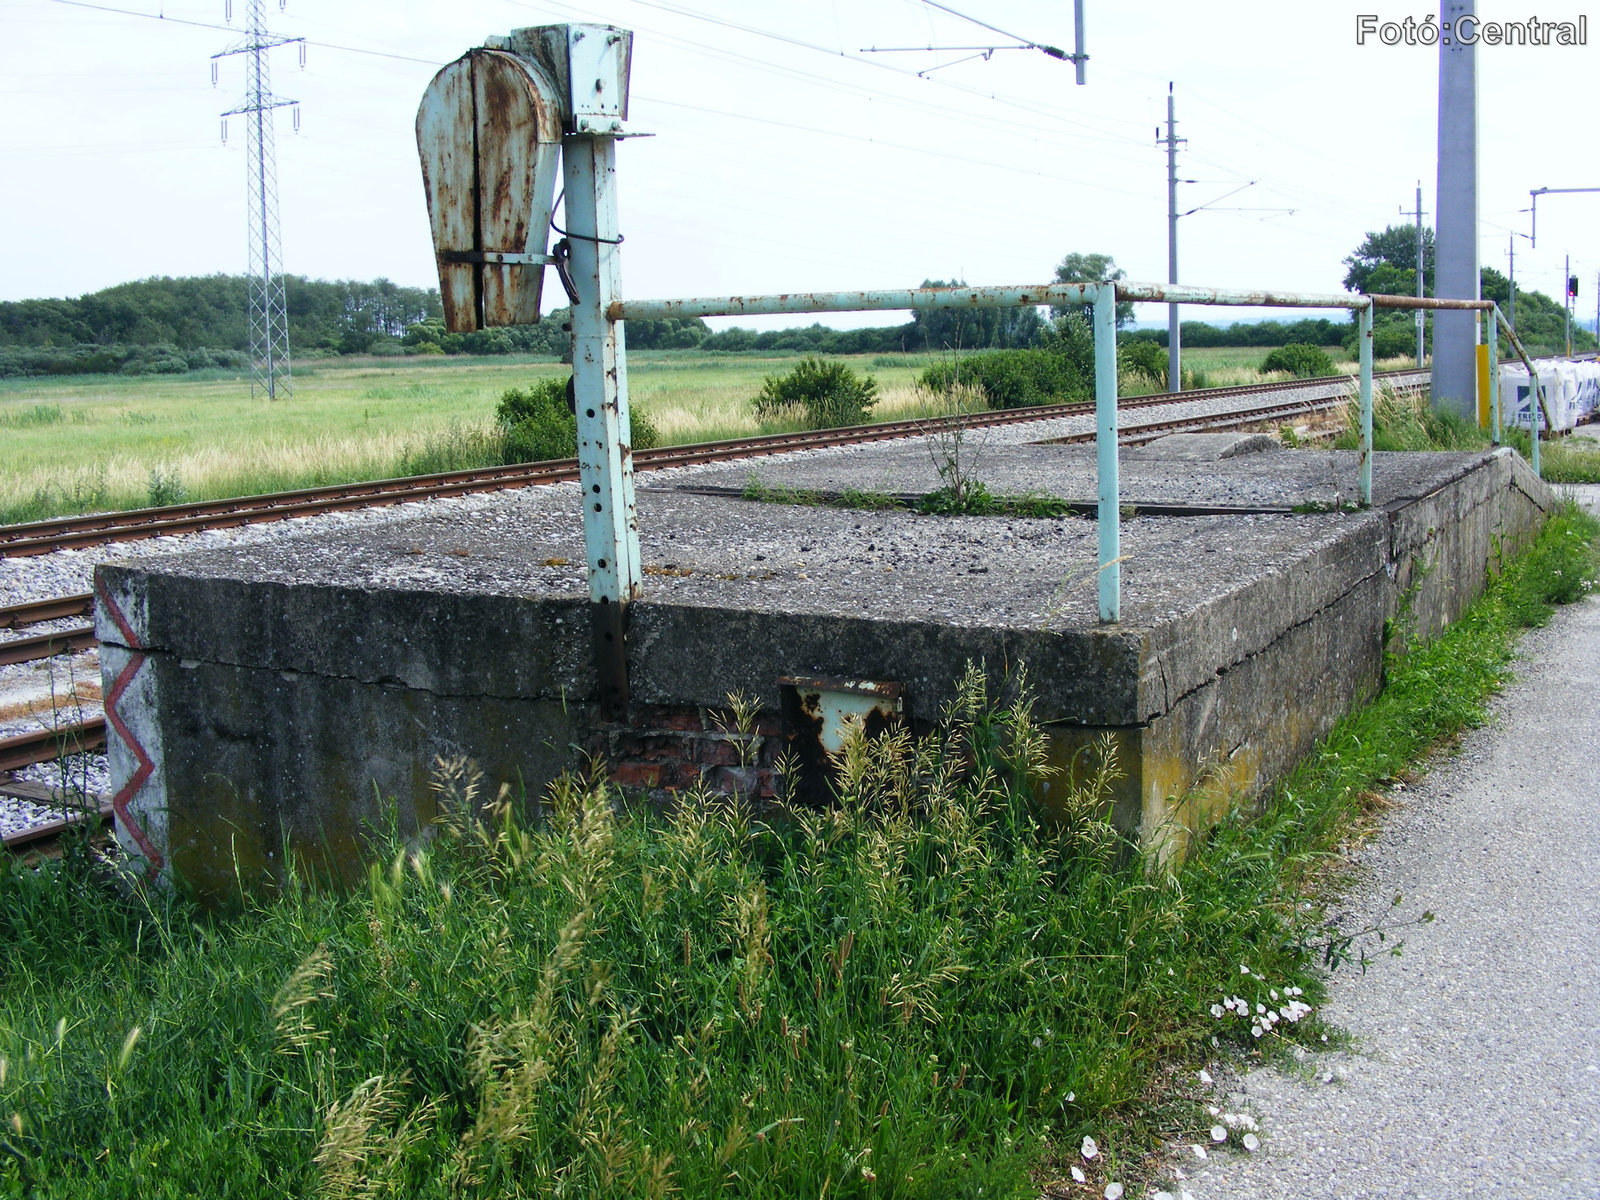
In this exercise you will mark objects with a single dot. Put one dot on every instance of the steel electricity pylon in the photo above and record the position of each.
(269, 316)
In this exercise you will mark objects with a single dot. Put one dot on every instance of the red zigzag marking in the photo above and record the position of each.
(147, 767)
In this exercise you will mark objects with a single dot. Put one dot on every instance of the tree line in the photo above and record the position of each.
(164, 324)
(1385, 264)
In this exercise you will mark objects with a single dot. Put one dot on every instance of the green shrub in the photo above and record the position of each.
(646, 436)
(164, 488)
(1140, 357)
(1011, 378)
(830, 393)
(539, 424)
(1408, 421)
(1394, 341)
(1300, 360)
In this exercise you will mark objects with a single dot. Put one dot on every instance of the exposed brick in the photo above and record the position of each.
(637, 774)
(721, 752)
(683, 775)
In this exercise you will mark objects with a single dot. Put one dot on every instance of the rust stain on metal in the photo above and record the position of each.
(489, 138)
(816, 714)
(1429, 302)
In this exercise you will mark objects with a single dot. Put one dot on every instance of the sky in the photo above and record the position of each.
(787, 158)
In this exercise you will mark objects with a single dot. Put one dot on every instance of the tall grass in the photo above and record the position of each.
(925, 990)
(1409, 421)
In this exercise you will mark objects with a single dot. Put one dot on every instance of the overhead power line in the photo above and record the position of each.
(1078, 57)
(150, 16)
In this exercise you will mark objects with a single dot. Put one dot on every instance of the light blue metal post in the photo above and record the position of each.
(1365, 337)
(1105, 408)
(1533, 418)
(1492, 331)
(600, 384)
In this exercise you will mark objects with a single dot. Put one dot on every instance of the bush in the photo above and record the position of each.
(159, 358)
(539, 423)
(1395, 341)
(1140, 357)
(1011, 378)
(1300, 360)
(831, 394)
(164, 488)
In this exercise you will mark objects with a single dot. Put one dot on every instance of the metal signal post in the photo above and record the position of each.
(489, 130)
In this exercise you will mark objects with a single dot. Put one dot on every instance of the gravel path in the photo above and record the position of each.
(1476, 1066)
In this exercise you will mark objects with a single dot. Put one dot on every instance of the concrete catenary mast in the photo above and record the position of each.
(1455, 252)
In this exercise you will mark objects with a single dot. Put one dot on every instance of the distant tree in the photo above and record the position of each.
(944, 329)
(1091, 268)
(1396, 249)
(212, 311)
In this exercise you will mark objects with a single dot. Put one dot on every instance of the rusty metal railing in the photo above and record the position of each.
(1103, 297)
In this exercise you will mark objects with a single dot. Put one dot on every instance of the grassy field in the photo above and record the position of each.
(81, 443)
(923, 991)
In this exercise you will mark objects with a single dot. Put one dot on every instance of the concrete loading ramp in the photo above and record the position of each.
(280, 692)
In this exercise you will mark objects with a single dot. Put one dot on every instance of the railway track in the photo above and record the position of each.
(43, 537)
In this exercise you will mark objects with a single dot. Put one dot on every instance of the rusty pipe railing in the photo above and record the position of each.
(1538, 392)
(1103, 297)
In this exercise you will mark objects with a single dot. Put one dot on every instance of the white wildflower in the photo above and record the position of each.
(1255, 1031)
(1213, 1110)
(1243, 970)
(1089, 1149)
(1274, 994)
(1071, 1096)
(1162, 1196)
(1261, 1009)
(1113, 1191)
(1252, 1143)
(1199, 1151)
(1218, 1134)
(1205, 1078)
(1078, 1175)
(1037, 1042)
(1217, 1010)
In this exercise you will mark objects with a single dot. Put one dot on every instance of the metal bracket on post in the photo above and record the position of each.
(1364, 336)
(1105, 407)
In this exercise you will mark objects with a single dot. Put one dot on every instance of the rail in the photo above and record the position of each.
(61, 533)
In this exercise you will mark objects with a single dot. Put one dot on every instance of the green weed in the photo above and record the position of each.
(32, 418)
